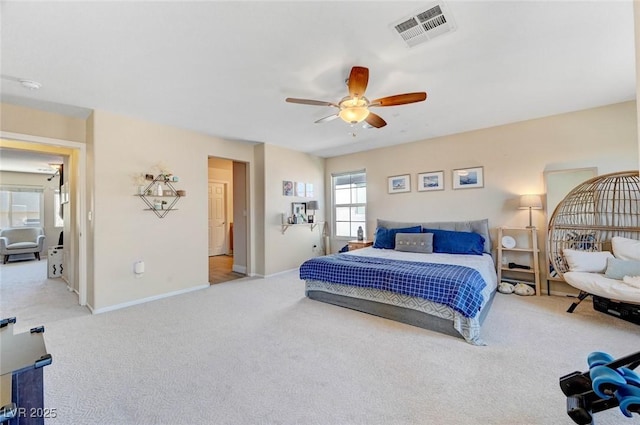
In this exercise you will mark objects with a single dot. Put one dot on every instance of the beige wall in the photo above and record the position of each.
(287, 251)
(19, 119)
(174, 248)
(514, 158)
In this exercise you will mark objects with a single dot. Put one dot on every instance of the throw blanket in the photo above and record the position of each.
(458, 287)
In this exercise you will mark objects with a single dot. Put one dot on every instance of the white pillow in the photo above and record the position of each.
(586, 261)
(625, 248)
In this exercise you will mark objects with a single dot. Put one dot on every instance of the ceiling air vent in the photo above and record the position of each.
(425, 25)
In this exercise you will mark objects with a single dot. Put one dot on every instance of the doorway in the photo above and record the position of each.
(226, 212)
(74, 211)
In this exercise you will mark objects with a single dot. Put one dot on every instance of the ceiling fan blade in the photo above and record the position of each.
(329, 118)
(358, 80)
(375, 120)
(310, 102)
(399, 99)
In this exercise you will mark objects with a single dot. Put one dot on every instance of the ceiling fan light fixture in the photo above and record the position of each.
(354, 110)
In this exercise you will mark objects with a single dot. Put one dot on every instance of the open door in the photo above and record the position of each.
(217, 219)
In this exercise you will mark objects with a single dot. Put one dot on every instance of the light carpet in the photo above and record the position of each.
(256, 351)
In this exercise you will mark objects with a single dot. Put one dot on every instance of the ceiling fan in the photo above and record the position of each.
(354, 108)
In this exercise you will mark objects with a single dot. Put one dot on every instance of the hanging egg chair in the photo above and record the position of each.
(588, 218)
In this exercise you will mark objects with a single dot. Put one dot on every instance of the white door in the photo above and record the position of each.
(217, 219)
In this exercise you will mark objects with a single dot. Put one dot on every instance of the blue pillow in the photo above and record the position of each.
(386, 238)
(451, 242)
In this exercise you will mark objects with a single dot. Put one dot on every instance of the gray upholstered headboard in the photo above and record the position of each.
(480, 227)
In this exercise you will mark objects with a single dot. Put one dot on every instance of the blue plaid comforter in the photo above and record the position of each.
(458, 287)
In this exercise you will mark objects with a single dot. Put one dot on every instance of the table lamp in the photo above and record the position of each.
(312, 206)
(530, 202)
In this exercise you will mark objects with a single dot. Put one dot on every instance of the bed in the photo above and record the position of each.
(390, 282)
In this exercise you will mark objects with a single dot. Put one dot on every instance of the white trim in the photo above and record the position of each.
(282, 272)
(239, 269)
(148, 299)
(82, 196)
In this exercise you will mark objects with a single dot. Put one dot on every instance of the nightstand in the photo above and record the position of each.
(353, 245)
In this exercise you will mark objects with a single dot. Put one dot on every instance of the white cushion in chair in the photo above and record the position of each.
(625, 248)
(586, 261)
(22, 245)
(598, 284)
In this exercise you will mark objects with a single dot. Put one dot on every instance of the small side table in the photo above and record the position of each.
(355, 244)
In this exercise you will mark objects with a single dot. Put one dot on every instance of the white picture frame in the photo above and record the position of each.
(399, 184)
(430, 181)
(468, 178)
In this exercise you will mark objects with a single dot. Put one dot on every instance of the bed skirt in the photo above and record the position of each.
(401, 308)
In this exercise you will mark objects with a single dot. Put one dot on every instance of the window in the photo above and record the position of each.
(349, 203)
(20, 206)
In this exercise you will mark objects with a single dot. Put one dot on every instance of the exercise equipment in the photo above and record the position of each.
(607, 384)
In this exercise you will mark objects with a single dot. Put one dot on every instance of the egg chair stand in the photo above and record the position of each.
(587, 219)
(581, 296)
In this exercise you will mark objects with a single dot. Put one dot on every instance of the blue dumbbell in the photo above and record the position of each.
(629, 398)
(605, 381)
(599, 358)
(631, 376)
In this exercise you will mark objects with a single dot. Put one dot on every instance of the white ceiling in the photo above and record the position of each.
(28, 162)
(225, 68)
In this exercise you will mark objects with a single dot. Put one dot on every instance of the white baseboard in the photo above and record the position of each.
(239, 269)
(282, 272)
(145, 300)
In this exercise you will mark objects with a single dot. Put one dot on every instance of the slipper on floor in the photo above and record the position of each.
(524, 289)
(505, 288)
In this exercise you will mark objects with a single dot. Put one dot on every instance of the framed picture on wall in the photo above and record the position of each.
(287, 188)
(468, 178)
(399, 184)
(300, 189)
(299, 212)
(431, 180)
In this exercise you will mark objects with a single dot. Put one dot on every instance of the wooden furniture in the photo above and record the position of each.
(355, 244)
(524, 252)
(312, 226)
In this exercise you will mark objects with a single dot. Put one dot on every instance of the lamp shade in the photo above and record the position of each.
(531, 201)
(312, 205)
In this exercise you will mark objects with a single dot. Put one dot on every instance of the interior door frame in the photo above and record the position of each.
(81, 196)
(226, 212)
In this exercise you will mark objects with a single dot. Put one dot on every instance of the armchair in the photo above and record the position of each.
(21, 240)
